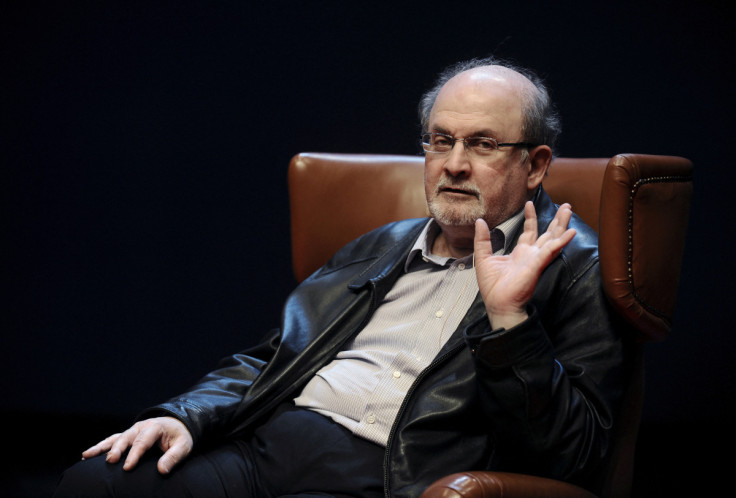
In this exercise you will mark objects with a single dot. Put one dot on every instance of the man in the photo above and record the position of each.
(422, 348)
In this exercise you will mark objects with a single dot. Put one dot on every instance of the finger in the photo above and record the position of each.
(482, 239)
(557, 226)
(562, 218)
(555, 245)
(100, 447)
(567, 236)
(173, 456)
(143, 441)
(120, 445)
(531, 230)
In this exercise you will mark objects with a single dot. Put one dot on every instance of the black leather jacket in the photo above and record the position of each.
(538, 398)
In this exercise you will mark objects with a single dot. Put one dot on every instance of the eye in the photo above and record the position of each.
(441, 141)
(482, 144)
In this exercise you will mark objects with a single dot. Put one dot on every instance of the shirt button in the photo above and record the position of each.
(439, 313)
(461, 266)
(371, 419)
(397, 374)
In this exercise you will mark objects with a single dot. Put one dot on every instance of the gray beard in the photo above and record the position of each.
(456, 214)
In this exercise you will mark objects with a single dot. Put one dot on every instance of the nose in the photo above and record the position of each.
(457, 161)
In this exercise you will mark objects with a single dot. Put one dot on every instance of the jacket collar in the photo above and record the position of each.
(391, 261)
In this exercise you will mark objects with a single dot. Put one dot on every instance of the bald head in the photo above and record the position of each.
(486, 90)
(495, 75)
(539, 121)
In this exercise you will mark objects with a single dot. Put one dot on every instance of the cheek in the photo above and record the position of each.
(504, 192)
(431, 177)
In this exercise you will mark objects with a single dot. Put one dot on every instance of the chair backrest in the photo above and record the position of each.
(639, 204)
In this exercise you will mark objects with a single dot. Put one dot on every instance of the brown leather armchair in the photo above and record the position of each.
(639, 204)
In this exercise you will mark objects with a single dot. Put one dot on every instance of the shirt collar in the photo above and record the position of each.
(426, 238)
(423, 244)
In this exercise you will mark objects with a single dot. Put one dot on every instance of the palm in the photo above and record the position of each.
(507, 282)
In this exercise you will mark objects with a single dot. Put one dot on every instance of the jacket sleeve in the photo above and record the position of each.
(208, 407)
(550, 385)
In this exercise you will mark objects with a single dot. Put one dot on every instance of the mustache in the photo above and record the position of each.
(446, 183)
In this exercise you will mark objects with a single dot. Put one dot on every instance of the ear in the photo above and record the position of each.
(540, 158)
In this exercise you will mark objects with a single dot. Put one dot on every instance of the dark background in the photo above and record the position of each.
(145, 225)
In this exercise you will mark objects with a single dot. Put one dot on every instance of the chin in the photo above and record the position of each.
(454, 217)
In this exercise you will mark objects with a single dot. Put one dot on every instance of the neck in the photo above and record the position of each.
(455, 242)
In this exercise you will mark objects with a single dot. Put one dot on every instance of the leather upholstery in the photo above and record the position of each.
(639, 204)
(488, 484)
(334, 198)
(645, 207)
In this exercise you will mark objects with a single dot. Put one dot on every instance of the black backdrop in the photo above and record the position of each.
(144, 152)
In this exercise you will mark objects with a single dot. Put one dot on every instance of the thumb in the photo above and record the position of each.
(482, 240)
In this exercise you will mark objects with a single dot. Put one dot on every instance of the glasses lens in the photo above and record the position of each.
(438, 143)
(482, 145)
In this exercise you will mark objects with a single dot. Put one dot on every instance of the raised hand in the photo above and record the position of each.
(507, 282)
(170, 434)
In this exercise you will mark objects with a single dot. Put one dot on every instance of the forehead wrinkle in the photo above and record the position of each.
(457, 123)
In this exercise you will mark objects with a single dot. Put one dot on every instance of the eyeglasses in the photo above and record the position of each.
(439, 143)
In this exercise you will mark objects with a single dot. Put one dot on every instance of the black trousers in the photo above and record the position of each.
(296, 453)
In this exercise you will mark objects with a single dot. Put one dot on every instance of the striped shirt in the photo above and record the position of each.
(365, 384)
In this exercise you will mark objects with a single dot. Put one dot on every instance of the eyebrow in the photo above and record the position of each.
(481, 133)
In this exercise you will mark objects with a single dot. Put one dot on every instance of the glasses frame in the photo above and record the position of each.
(426, 137)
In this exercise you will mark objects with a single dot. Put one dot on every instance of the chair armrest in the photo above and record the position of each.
(645, 206)
(485, 484)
